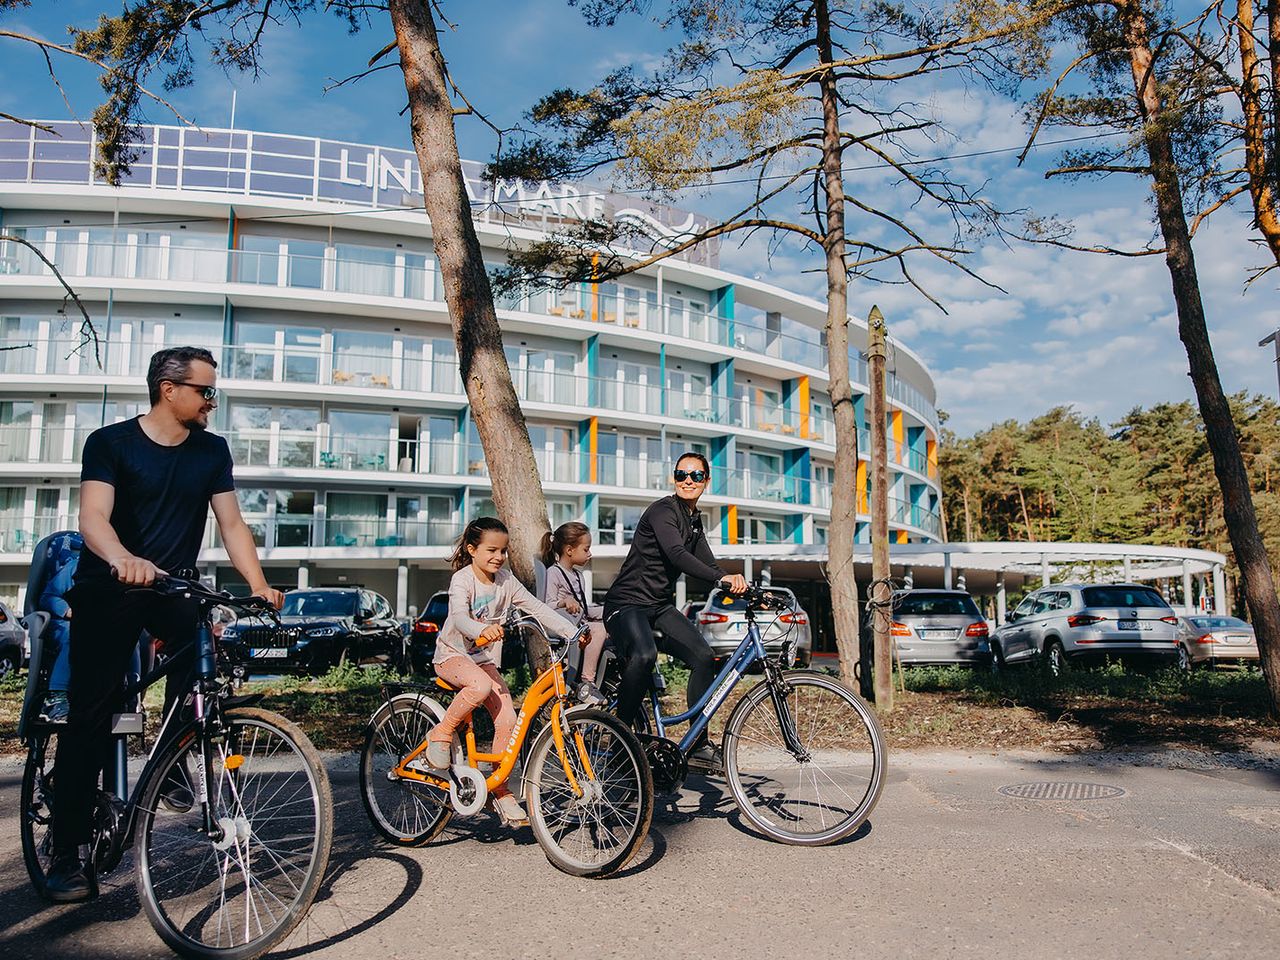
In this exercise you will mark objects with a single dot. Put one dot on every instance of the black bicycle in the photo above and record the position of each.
(231, 818)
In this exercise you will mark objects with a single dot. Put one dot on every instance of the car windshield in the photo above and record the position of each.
(316, 604)
(936, 605)
(1219, 623)
(1122, 597)
(437, 609)
(727, 602)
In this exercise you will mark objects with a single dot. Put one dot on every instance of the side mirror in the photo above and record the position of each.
(1011, 618)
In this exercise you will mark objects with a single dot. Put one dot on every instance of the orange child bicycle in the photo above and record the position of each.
(585, 780)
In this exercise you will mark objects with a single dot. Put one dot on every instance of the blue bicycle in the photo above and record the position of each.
(804, 756)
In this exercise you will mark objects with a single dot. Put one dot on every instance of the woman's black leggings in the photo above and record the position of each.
(631, 629)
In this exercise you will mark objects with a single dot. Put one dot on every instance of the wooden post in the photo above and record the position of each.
(882, 592)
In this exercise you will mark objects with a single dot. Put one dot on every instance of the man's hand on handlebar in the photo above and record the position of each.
(134, 571)
(736, 584)
(272, 596)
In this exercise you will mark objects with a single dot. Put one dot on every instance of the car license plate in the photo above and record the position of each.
(737, 627)
(1133, 625)
(268, 653)
(1238, 638)
(936, 634)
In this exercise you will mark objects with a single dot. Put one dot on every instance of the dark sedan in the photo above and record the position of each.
(319, 628)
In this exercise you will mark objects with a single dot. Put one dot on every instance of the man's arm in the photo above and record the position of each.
(97, 499)
(238, 539)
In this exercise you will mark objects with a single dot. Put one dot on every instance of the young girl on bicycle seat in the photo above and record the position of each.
(469, 648)
(563, 552)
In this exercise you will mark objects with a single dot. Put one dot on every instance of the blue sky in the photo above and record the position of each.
(1098, 333)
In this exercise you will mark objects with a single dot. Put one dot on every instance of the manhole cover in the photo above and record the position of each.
(1061, 790)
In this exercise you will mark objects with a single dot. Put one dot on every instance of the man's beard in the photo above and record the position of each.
(195, 423)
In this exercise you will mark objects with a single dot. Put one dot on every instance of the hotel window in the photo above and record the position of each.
(618, 523)
(197, 256)
(258, 260)
(366, 270)
(362, 359)
(553, 448)
(254, 509)
(295, 517)
(306, 264)
(14, 535)
(358, 441)
(15, 331)
(355, 519)
(250, 439)
(15, 430)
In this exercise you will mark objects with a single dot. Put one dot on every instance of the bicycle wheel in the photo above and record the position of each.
(237, 897)
(827, 791)
(407, 813)
(35, 806)
(597, 833)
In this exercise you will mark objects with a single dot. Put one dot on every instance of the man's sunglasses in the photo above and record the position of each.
(206, 391)
(697, 476)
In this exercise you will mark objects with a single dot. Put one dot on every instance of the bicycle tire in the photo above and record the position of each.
(35, 809)
(404, 812)
(622, 796)
(277, 763)
(759, 767)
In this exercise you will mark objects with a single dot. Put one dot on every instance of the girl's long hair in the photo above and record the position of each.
(567, 535)
(471, 535)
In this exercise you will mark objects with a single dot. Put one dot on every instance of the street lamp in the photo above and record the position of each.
(1273, 338)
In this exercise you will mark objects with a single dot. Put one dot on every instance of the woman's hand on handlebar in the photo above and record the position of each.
(135, 571)
(736, 584)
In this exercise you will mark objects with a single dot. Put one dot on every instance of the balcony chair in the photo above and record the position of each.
(380, 381)
(330, 460)
(341, 376)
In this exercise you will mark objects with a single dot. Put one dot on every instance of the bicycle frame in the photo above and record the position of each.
(748, 652)
(550, 686)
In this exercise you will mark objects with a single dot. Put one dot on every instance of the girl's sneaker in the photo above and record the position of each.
(56, 708)
(509, 811)
(439, 754)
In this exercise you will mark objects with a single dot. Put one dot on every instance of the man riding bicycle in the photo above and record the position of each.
(668, 542)
(146, 486)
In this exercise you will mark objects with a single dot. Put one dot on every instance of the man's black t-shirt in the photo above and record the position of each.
(668, 542)
(162, 493)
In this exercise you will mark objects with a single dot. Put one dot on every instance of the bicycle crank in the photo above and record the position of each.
(467, 789)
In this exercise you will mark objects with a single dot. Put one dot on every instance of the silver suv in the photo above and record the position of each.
(1075, 621)
(722, 620)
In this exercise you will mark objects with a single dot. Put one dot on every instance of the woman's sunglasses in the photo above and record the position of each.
(206, 391)
(697, 476)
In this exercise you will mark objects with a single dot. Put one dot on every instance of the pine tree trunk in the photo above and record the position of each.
(844, 495)
(1220, 429)
(495, 409)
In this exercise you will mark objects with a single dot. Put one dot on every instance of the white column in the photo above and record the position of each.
(402, 589)
(748, 568)
(1219, 590)
(1128, 570)
(909, 576)
(304, 576)
(1186, 585)
(946, 571)
(1045, 577)
(1001, 598)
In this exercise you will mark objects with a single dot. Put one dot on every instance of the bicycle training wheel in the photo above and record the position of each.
(598, 832)
(821, 792)
(405, 812)
(235, 897)
(35, 809)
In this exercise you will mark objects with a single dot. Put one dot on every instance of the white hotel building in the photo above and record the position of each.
(306, 266)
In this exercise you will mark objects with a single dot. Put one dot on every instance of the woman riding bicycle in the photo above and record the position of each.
(668, 542)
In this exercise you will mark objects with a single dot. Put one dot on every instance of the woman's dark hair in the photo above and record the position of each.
(567, 535)
(693, 455)
(471, 536)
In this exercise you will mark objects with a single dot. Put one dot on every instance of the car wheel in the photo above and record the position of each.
(997, 658)
(1184, 658)
(8, 663)
(1055, 659)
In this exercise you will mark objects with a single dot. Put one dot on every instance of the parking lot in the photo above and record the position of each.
(1162, 863)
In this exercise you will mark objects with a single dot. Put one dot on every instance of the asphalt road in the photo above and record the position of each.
(1186, 863)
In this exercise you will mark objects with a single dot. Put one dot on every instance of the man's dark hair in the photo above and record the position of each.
(173, 364)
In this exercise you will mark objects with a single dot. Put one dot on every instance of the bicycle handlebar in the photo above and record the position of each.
(761, 598)
(170, 586)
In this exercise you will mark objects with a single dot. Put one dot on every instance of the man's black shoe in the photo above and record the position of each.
(707, 758)
(70, 880)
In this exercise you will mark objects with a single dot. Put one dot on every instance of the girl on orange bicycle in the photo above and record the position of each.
(469, 648)
(563, 552)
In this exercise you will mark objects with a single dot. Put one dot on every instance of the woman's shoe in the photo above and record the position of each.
(509, 811)
(439, 754)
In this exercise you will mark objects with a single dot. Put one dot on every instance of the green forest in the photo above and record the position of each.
(1147, 478)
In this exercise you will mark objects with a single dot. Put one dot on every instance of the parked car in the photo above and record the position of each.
(1068, 622)
(1210, 639)
(319, 628)
(13, 642)
(722, 620)
(935, 627)
(425, 629)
